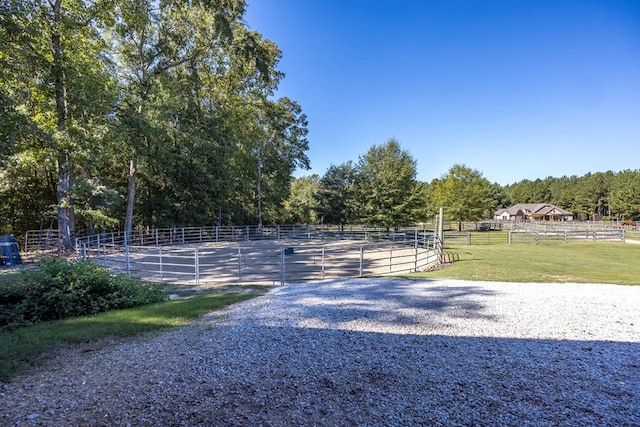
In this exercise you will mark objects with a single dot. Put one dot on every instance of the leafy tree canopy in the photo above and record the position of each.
(386, 191)
(464, 193)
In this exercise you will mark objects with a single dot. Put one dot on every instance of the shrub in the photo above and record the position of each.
(58, 289)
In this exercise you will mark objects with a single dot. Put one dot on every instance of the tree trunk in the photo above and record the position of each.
(131, 181)
(131, 195)
(66, 215)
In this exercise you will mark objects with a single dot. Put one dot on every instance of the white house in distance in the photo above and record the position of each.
(533, 212)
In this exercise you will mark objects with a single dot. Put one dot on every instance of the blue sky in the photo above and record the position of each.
(516, 89)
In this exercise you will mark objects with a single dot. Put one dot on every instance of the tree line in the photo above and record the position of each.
(381, 189)
(140, 113)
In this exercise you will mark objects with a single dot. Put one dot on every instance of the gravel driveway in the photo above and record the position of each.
(363, 352)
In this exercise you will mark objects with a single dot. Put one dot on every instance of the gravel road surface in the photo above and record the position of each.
(361, 352)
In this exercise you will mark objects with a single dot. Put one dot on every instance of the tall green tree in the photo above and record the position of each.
(386, 190)
(335, 196)
(464, 193)
(625, 197)
(301, 205)
(150, 41)
(181, 92)
(197, 87)
(562, 190)
(499, 199)
(57, 84)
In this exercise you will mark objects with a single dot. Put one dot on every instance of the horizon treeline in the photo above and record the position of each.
(467, 196)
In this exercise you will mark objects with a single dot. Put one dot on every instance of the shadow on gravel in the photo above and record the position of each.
(295, 376)
(280, 376)
(391, 300)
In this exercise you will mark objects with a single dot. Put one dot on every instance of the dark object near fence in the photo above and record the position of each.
(289, 251)
(625, 224)
(9, 253)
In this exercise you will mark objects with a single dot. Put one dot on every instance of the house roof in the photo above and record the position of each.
(533, 209)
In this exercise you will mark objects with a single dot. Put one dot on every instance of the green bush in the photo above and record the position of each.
(57, 289)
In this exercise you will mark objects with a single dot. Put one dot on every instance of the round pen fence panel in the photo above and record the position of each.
(263, 261)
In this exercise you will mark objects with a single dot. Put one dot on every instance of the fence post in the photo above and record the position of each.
(239, 264)
(323, 262)
(440, 220)
(509, 238)
(415, 264)
(361, 260)
(157, 238)
(160, 262)
(537, 237)
(468, 238)
(196, 265)
(565, 236)
(183, 235)
(390, 259)
(282, 270)
(127, 265)
(622, 236)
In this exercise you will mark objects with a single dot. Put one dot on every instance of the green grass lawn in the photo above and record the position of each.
(25, 346)
(576, 261)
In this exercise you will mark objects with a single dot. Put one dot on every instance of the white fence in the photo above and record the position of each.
(563, 236)
(271, 254)
(262, 263)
